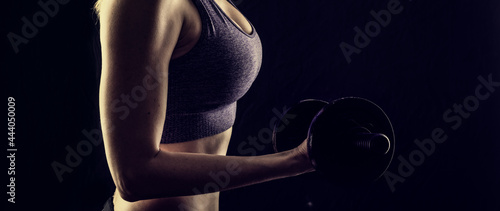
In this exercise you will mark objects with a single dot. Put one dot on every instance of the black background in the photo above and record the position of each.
(427, 59)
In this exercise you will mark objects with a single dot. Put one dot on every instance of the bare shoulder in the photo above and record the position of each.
(156, 10)
(150, 5)
(148, 15)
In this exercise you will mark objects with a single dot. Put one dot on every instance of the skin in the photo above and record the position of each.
(149, 175)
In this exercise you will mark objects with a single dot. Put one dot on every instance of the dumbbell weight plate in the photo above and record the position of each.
(332, 138)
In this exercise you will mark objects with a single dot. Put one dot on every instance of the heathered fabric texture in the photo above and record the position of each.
(205, 83)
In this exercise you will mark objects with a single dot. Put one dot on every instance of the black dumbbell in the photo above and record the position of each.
(350, 140)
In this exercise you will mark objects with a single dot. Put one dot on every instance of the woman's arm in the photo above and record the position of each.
(137, 39)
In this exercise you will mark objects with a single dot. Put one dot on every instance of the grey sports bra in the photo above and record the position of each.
(205, 83)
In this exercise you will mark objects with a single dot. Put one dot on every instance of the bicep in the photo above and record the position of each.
(137, 41)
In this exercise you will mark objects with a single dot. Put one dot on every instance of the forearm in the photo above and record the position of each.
(175, 174)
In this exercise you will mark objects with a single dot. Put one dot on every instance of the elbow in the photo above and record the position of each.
(133, 186)
(129, 194)
(134, 178)
(129, 189)
(139, 180)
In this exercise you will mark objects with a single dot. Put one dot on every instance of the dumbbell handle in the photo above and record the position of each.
(374, 142)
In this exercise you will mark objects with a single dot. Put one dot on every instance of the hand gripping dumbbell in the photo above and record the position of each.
(350, 140)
